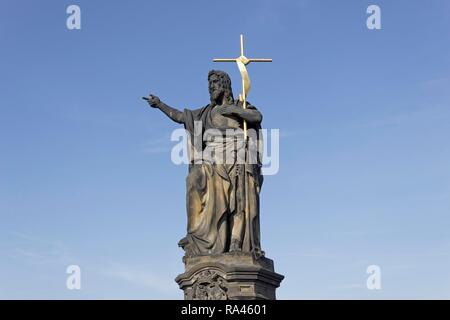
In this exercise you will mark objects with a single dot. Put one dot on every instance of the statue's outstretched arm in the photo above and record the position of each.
(172, 113)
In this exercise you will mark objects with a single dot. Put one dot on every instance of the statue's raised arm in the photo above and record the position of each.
(172, 113)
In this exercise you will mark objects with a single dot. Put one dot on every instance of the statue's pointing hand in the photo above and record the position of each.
(152, 100)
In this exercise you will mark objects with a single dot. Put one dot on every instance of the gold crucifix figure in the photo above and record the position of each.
(242, 61)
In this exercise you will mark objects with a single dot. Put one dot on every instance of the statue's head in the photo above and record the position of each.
(219, 85)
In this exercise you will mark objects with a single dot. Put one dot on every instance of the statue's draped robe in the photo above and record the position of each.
(215, 192)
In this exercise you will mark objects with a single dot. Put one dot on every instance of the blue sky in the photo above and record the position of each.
(85, 170)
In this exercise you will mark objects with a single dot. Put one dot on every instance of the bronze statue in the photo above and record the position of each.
(222, 196)
(223, 257)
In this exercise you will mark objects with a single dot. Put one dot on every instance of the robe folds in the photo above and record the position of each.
(218, 191)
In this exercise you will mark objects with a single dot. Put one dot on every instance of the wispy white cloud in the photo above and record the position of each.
(157, 146)
(137, 276)
(287, 133)
(272, 12)
(419, 116)
(46, 256)
(37, 250)
(349, 286)
(440, 84)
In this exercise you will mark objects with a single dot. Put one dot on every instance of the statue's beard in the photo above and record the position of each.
(216, 96)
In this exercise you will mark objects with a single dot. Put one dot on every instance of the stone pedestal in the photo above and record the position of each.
(229, 276)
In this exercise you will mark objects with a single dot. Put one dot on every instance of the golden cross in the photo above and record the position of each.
(242, 61)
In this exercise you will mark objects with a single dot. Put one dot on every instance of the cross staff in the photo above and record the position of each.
(242, 61)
